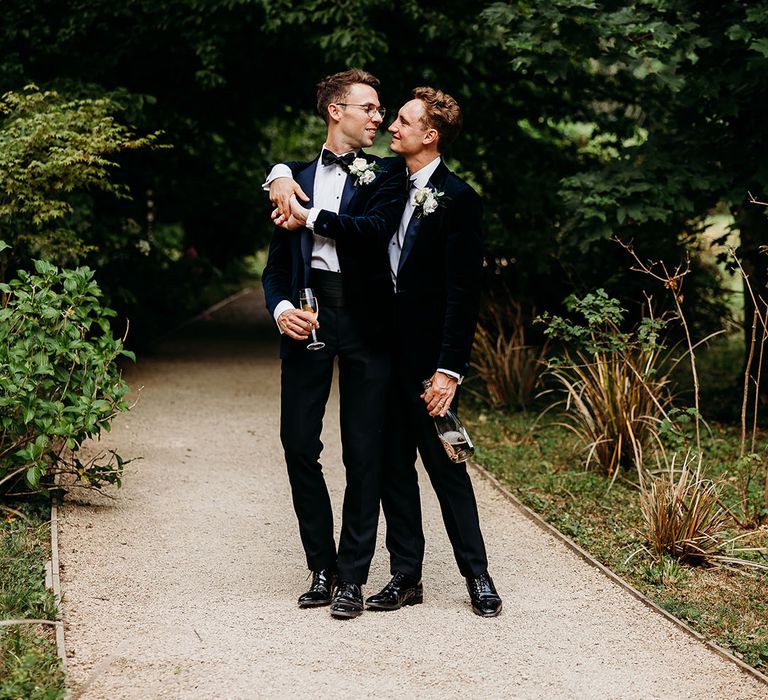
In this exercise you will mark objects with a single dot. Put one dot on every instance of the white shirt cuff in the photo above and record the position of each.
(279, 170)
(455, 375)
(312, 217)
(282, 306)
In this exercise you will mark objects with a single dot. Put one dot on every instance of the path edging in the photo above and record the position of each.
(54, 578)
(589, 559)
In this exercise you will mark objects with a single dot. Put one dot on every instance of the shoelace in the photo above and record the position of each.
(481, 585)
(395, 583)
(346, 591)
(317, 583)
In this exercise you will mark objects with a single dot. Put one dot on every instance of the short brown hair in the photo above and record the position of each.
(334, 88)
(441, 112)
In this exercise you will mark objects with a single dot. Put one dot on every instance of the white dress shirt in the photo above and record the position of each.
(327, 191)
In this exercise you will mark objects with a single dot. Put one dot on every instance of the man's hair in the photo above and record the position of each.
(334, 88)
(441, 112)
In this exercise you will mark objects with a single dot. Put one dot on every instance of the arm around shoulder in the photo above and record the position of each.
(380, 218)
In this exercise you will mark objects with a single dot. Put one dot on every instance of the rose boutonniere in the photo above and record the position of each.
(427, 201)
(363, 171)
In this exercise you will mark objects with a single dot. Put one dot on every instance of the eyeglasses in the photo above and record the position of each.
(371, 110)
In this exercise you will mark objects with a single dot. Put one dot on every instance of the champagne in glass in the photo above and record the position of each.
(308, 302)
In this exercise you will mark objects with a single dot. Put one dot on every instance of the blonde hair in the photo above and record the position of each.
(441, 112)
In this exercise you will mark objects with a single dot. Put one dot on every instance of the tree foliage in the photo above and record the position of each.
(53, 152)
(583, 120)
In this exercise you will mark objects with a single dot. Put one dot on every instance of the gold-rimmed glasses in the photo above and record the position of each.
(371, 109)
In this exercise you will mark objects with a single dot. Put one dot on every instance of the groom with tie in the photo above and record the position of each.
(353, 198)
(436, 262)
(435, 258)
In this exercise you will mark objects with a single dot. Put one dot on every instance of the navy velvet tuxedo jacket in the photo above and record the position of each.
(438, 283)
(368, 215)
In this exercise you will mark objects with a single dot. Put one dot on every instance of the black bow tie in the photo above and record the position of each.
(344, 161)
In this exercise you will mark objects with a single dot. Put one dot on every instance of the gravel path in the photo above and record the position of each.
(184, 585)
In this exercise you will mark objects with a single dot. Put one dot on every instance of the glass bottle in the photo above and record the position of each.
(453, 435)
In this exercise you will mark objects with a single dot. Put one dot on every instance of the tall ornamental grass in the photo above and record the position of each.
(615, 384)
(508, 367)
(684, 517)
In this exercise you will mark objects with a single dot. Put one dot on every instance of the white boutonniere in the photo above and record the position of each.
(427, 201)
(363, 171)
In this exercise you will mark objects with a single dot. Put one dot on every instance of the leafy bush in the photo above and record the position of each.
(59, 377)
(53, 152)
(616, 383)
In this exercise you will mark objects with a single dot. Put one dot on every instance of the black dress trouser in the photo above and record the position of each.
(410, 428)
(306, 378)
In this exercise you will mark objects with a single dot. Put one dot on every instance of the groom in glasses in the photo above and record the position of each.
(348, 192)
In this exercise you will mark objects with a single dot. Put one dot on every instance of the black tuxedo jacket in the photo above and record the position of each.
(438, 282)
(368, 214)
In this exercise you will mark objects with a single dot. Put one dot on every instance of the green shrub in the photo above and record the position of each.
(616, 383)
(59, 378)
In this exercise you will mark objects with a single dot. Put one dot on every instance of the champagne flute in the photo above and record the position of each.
(308, 303)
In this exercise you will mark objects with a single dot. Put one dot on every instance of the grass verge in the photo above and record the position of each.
(543, 467)
(29, 667)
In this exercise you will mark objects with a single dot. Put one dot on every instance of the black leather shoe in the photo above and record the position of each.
(347, 600)
(320, 591)
(485, 600)
(400, 591)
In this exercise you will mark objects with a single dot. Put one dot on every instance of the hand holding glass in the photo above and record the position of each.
(308, 303)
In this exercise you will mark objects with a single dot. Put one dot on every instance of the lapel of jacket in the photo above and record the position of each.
(416, 224)
(350, 189)
(306, 180)
(347, 194)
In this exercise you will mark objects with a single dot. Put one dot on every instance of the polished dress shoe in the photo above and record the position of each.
(320, 591)
(347, 600)
(400, 591)
(485, 600)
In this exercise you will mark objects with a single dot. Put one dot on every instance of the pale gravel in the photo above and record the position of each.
(185, 585)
